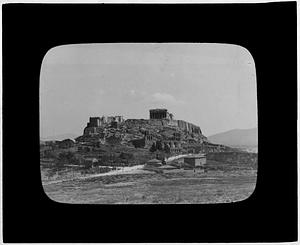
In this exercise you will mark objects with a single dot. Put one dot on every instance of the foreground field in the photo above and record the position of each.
(170, 187)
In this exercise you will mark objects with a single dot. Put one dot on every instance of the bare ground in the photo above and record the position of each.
(170, 187)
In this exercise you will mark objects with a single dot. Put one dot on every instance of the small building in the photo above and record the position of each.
(195, 160)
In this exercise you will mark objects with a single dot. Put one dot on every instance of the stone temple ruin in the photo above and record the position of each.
(95, 124)
(164, 115)
(160, 114)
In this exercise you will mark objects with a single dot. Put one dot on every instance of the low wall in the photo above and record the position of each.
(233, 157)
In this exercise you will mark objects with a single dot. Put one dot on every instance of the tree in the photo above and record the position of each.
(67, 158)
(159, 145)
(153, 147)
(49, 154)
(167, 148)
(126, 155)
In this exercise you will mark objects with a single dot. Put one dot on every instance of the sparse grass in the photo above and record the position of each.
(221, 183)
(177, 187)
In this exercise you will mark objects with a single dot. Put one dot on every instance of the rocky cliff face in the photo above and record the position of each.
(175, 133)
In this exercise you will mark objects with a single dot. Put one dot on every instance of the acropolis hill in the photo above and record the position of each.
(161, 130)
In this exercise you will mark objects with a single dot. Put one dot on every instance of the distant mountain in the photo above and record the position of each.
(236, 137)
(59, 137)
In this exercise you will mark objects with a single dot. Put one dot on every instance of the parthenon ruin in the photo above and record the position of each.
(160, 114)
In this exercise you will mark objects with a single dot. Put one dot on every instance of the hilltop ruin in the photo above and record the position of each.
(161, 131)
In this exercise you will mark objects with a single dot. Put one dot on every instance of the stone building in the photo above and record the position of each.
(93, 126)
(94, 122)
(160, 114)
(195, 160)
(100, 121)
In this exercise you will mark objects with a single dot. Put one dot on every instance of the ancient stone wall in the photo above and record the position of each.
(173, 123)
(156, 122)
(186, 126)
(92, 130)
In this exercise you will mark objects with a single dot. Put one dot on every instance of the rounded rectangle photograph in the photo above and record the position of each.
(148, 123)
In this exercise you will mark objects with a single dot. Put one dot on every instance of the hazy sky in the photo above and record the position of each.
(211, 85)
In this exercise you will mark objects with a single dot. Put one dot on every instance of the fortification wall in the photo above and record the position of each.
(134, 122)
(183, 125)
(188, 126)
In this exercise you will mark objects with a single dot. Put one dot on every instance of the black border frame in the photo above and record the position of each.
(267, 30)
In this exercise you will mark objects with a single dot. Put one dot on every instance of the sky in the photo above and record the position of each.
(210, 85)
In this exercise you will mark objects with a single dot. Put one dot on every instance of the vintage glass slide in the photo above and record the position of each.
(148, 123)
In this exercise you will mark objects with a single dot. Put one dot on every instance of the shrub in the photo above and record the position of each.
(126, 156)
(167, 149)
(49, 154)
(67, 158)
(159, 145)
